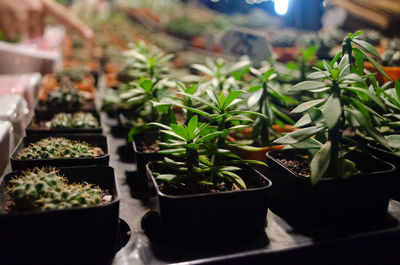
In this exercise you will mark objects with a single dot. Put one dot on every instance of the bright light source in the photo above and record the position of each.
(281, 6)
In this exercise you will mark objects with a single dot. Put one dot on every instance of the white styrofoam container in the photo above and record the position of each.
(6, 144)
(13, 108)
(25, 85)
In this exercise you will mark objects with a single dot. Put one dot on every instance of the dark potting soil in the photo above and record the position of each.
(197, 189)
(297, 163)
(148, 143)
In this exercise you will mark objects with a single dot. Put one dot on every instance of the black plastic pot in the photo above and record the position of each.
(234, 216)
(43, 110)
(360, 199)
(92, 139)
(394, 187)
(68, 236)
(142, 158)
(52, 131)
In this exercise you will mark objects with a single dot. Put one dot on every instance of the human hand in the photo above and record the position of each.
(19, 17)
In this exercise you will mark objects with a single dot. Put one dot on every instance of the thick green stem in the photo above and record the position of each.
(335, 137)
(265, 125)
(347, 49)
(192, 161)
(303, 69)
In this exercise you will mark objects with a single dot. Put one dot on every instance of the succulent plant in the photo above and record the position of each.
(59, 147)
(391, 57)
(77, 120)
(65, 96)
(46, 189)
(73, 74)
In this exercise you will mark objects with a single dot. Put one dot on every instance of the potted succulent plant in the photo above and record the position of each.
(264, 131)
(58, 210)
(331, 183)
(65, 98)
(205, 192)
(62, 150)
(78, 122)
(391, 60)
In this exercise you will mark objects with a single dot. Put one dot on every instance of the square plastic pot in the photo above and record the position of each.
(92, 139)
(360, 199)
(394, 181)
(232, 216)
(61, 236)
(30, 130)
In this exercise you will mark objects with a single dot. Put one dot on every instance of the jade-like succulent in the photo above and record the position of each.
(46, 189)
(65, 96)
(73, 74)
(59, 147)
(77, 120)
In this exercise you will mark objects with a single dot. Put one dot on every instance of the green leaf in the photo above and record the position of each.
(256, 72)
(210, 136)
(397, 89)
(268, 73)
(306, 105)
(172, 151)
(320, 162)
(309, 143)
(238, 180)
(299, 135)
(238, 66)
(166, 127)
(173, 134)
(369, 94)
(203, 69)
(335, 59)
(353, 77)
(355, 34)
(193, 146)
(394, 141)
(366, 46)
(232, 96)
(198, 99)
(332, 111)
(375, 64)
(221, 100)
(318, 75)
(359, 61)
(346, 168)
(146, 85)
(307, 85)
(192, 125)
(180, 130)
(304, 120)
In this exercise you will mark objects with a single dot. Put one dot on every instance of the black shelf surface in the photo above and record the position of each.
(282, 243)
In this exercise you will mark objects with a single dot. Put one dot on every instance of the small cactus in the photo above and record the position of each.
(76, 120)
(65, 96)
(73, 74)
(59, 147)
(46, 189)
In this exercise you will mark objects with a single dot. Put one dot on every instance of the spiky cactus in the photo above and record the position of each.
(65, 96)
(46, 189)
(77, 120)
(73, 74)
(59, 147)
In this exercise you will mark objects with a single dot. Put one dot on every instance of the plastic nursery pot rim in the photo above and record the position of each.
(68, 136)
(159, 192)
(115, 197)
(270, 156)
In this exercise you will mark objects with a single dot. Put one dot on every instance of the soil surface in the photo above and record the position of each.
(147, 143)
(191, 189)
(297, 163)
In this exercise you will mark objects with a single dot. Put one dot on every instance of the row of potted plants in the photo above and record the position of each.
(62, 195)
(325, 176)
